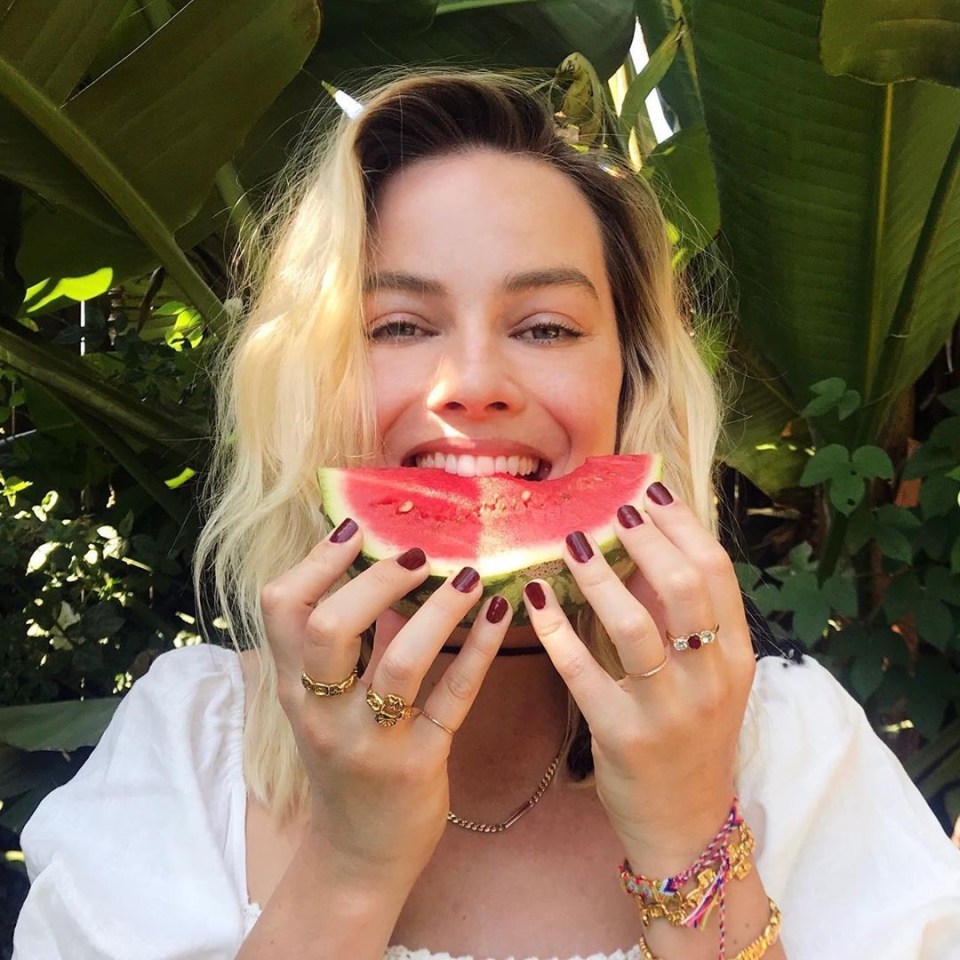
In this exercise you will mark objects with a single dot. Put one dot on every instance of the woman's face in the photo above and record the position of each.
(491, 323)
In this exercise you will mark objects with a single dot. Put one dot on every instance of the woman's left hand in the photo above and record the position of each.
(664, 746)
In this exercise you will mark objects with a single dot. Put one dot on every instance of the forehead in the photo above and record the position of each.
(486, 212)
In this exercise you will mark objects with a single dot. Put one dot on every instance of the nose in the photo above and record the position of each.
(474, 379)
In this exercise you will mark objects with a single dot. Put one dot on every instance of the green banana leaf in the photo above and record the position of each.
(681, 172)
(522, 34)
(886, 41)
(61, 726)
(136, 151)
(53, 42)
(839, 204)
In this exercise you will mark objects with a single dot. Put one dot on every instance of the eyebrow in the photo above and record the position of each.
(513, 283)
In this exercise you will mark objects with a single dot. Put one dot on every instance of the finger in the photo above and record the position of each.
(331, 637)
(287, 602)
(628, 623)
(668, 582)
(404, 663)
(597, 695)
(683, 529)
(450, 701)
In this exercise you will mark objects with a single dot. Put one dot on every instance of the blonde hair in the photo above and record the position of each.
(293, 383)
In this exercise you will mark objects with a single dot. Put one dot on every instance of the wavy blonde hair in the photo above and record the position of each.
(293, 382)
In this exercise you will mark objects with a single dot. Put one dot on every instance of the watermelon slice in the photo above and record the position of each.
(510, 530)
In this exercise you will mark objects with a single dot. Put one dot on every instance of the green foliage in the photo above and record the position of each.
(886, 618)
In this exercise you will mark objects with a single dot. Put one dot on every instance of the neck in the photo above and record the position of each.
(510, 736)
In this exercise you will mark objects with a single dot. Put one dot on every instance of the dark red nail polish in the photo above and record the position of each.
(497, 610)
(629, 515)
(344, 532)
(413, 559)
(466, 580)
(659, 494)
(579, 546)
(535, 594)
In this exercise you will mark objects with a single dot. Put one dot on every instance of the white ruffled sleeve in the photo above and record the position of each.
(136, 855)
(847, 847)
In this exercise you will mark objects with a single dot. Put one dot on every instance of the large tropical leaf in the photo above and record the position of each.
(885, 41)
(61, 726)
(137, 150)
(53, 42)
(826, 185)
(487, 33)
(681, 172)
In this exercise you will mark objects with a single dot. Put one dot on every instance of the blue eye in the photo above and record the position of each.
(396, 330)
(549, 332)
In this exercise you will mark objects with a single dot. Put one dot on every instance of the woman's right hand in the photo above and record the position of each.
(379, 795)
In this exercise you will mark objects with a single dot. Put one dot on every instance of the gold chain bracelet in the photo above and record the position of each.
(753, 951)
(654, 902)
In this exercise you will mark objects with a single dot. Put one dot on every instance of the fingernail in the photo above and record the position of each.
(413, 559)
(659, 494)
(535, 594)
(466, 580)
(497, 610)
(629, 515)
(344, 532)
(579, 546)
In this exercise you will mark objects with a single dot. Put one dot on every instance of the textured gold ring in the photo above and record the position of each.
(693, 641)
(648, 673)
(328, 689)
(389, 709)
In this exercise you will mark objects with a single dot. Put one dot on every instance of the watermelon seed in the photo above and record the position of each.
(405, 507)
(525, 496)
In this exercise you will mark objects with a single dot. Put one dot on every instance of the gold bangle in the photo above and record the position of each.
(767, 939)
(753, 951)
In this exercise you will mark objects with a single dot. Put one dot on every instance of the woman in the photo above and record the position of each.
(452, 278)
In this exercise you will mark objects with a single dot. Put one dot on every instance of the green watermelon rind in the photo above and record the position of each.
(555, 572)
(509, 585)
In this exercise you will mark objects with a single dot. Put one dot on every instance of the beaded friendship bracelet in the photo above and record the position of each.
(726, 857)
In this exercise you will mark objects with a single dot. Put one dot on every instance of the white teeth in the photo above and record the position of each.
(468, 465)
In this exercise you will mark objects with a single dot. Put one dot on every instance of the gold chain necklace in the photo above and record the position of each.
(545, 781)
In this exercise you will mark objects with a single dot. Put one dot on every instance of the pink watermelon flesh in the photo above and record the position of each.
(510, 530)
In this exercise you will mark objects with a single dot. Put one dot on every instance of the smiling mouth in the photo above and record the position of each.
(468, 465)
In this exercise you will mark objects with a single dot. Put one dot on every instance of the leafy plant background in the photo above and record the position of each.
(811, 180)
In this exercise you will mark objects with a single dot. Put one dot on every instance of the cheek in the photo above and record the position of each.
(587, 401)
(388, 391)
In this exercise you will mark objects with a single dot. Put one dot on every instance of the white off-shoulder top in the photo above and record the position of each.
(142, 855)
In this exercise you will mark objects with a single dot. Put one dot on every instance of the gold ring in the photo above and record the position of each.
(436, 722)
(389, 709)
(649, 673)
(328, 689)
(693, 641)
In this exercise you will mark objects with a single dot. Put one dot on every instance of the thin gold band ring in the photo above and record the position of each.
(436, 722)
(648, 673)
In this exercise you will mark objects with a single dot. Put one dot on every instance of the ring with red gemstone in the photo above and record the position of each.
(693, 641)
